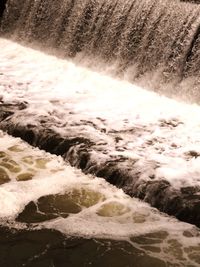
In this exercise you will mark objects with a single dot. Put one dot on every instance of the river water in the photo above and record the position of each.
(54, 215)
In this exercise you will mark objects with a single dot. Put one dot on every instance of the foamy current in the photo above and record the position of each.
(84, 206)
(40, 190)
(169, 131)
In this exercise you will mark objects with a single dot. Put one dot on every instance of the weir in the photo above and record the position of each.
(139, 37)
(140, 142)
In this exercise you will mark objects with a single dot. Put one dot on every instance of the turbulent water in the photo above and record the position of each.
(83, 207)
(137, 38)
(52, 214)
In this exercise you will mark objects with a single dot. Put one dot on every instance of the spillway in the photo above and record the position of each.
(80, 99)
(158, 40)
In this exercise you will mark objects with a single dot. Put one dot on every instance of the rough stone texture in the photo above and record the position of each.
(45, 248)
(118, 170)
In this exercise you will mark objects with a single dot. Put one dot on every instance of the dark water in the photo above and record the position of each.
(140, 36)
(45, 248)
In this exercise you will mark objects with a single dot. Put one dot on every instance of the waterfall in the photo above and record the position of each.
(144, 144)
(2, 7)
(139, 36)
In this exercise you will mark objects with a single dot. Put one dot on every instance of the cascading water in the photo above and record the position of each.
(2, 7)
(138, 36)
(52, 214)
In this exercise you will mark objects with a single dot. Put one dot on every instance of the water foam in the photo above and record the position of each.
(108, 213)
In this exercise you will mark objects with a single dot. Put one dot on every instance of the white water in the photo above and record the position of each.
(168, 130)
(114, 216)
(54, 87)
